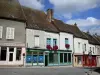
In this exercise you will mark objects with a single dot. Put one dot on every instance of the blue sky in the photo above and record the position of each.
(84, 12)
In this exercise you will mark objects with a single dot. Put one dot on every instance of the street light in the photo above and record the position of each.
(90, 57)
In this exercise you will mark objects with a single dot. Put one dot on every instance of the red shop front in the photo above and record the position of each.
(89, 62)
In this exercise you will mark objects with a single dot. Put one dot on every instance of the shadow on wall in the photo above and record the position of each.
(97, 70)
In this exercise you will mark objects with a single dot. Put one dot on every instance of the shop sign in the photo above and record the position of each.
(12, 44)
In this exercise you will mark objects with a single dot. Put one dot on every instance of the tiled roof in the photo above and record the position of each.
(91, 39)
(11, 9)
(73, 29)
(35, 19)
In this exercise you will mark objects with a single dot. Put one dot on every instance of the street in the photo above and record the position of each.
(45, 71)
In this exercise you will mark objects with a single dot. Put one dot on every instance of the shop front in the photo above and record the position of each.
(48, 58)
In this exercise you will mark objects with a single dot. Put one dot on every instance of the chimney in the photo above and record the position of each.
(50, 15)
(75, 24)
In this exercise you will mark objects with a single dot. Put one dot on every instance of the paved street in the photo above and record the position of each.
(45, 71)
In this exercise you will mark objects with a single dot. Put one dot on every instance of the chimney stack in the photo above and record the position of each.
(50, 15)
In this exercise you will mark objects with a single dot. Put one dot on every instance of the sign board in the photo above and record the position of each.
(12, 44)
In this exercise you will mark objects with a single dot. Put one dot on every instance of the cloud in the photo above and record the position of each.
(89, 21)
(67, 7)
(36, 4)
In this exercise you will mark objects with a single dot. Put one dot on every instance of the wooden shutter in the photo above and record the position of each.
(1, 31)
(36, 41)
(10, 33)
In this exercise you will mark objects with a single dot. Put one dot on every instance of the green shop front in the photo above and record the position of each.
(39, 57)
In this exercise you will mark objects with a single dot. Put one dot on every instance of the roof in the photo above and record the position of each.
(76, 31)
(35, 19)
(73, 29)
(11, 9)
(97, 37)
(91, 39)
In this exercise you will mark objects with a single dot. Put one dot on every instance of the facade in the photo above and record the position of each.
(97, 47)
(12, 34)
(91, 59)
(11, 47)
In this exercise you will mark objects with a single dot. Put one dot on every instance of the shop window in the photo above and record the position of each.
(69, 57)
(66, 40)
(50, 57)
(65, 58)
(18, 53)
(37, 41)
(55, 56)
(54, 42)
(40, 59)
(79, 59)
(3, 53)
(48, 41)
(35, 58)
(61, 57)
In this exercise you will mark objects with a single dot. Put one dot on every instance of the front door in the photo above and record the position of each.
(11, 55)
(46, 60)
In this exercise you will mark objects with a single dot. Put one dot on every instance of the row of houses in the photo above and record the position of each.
(33, 37)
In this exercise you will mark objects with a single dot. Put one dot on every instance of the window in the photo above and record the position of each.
(69, 57)
(3, 53)
(61, 57)
(11, 49)
(93, 49)
(79, 45)
(37, 41)
(50, 57)
(85, 46)
(90, 48)
(66, 40)
(1, 31)
(65, 58)
(79, 59)
(55, 56)
(10, 33)
(54, 42)
(18, 53)
(48, 41)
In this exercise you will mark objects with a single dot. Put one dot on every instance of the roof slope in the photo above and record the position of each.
(91, 39)
(73, 29)
(11, 9)
(35, 19)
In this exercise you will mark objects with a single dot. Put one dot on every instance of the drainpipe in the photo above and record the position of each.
(73, 52)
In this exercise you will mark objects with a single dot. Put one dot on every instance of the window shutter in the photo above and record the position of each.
(36, 41)
(1, 31)
(7, 33)
(10, 33)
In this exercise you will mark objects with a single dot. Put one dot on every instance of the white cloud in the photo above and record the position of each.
(67, 7)
(36, 4)
(89, 21)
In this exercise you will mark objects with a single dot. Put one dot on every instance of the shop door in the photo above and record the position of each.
(46, 60)
(11, 55)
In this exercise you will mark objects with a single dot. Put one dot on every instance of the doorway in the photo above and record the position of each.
(46, 60)
(11, 54)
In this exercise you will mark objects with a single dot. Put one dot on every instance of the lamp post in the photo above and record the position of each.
(90, 57)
